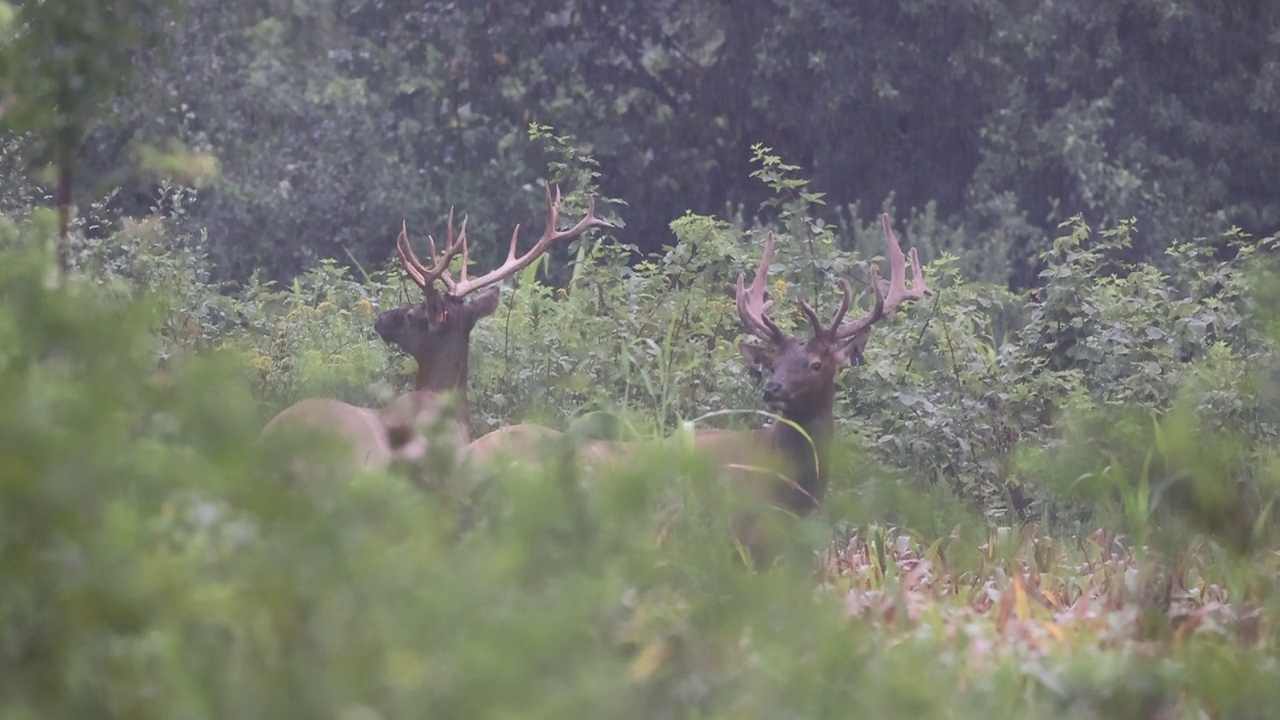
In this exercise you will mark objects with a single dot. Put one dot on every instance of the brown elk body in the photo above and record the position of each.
(436, 332)
(375, 438)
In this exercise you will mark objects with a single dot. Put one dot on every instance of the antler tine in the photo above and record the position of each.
(846, 297)
(814, 321)
(550, 234)
(466, 255)
(752, 308)
(407, 259)
(917, 275)
(897, 262)
(898, 290)
(448, 235)
(457, 245)
(515, 238)
(553, 210)
(515, 263)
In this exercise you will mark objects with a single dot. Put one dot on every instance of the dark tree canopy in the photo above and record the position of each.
(330, 121)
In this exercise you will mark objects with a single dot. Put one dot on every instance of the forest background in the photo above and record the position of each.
(983, 124)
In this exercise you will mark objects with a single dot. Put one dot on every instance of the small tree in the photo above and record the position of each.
(58, 63)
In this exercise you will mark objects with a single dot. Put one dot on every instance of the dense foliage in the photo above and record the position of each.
(987, 123)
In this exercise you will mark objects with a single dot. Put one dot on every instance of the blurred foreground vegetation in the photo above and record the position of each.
(1056, 505)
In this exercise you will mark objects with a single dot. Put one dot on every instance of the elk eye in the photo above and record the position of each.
(816, 365)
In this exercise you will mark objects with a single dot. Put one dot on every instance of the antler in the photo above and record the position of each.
(457, 245)
(425, 276)
(898, 290)
(845, 299)
(514, 264)
(752, 308)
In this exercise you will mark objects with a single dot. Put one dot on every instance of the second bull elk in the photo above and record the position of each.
(801, 375)
(790, 459)
(436, 332)
(783, 464)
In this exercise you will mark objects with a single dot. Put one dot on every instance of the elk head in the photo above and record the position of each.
(436, 330)
(801, 374)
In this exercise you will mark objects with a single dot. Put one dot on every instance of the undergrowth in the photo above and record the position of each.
(1059, 505)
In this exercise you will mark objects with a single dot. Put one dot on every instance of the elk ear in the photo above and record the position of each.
(759, 360)
(419, 314)
(484, 304)
(850, 353)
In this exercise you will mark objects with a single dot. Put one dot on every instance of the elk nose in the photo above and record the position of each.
(772, 390)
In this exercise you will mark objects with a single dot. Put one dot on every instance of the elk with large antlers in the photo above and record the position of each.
(784, 464)
(801, 379)
(436, 332)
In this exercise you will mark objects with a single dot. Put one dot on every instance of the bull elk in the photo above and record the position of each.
(436, 332)
(787, 462)
(789, 456)
(784, 464)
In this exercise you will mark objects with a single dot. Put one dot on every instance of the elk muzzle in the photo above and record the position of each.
(389, 324)
(774, 396)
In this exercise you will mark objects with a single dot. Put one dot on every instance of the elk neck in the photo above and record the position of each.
(808, 462)
(445, 370)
